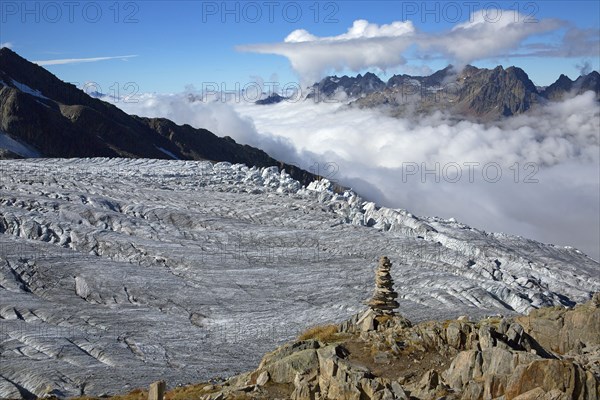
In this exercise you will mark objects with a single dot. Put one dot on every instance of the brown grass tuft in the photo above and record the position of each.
(322, 333)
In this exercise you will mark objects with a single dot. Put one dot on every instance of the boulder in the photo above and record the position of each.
(455, 337)
(486, 337)
(553, 375)
(398, 391)
(285, 369)
(262, 379)
(366, 321)
(486, 372)
(562, 330)
(465, 367)
(305, 386)
(540, 394)
(287, 350)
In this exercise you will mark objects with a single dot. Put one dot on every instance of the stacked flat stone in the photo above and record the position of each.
(384, 298)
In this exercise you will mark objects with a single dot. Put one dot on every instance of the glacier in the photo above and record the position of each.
(117, 272)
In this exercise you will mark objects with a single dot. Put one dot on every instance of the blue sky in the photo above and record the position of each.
(178, 43)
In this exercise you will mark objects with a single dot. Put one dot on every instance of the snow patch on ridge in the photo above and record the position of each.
(167, 152)
(26, 89)
(10, 144)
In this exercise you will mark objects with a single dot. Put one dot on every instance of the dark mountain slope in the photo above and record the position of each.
(565, 86)
(58, 120)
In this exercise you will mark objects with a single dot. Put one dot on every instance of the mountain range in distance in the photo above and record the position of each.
(471, 93)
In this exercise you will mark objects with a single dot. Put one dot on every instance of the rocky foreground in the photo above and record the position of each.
(552, 353)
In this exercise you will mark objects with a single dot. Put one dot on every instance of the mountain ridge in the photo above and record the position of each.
(471, 93)
(39, 110)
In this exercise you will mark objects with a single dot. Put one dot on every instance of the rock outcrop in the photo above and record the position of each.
(563, 332)
(520, 358)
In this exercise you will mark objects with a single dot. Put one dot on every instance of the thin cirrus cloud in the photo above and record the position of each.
(576, 43)
(367, 45)
(480, 38)
(82, 60)
(8, 45)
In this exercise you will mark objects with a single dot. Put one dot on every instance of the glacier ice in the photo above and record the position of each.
(116, 272)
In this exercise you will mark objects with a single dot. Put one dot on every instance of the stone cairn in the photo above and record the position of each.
(384, 298)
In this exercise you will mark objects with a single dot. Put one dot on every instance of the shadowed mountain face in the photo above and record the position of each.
(563, 85)
(40, 115)
(272, 99)
(353, 87)
(473, 93)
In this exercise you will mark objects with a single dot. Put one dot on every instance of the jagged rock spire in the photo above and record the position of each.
(384, 298)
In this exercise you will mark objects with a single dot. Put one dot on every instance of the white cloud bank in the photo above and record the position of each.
(362, 46)
(557, 146)
(487, 34)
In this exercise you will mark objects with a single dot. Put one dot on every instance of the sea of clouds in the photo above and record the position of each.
(536, 175)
